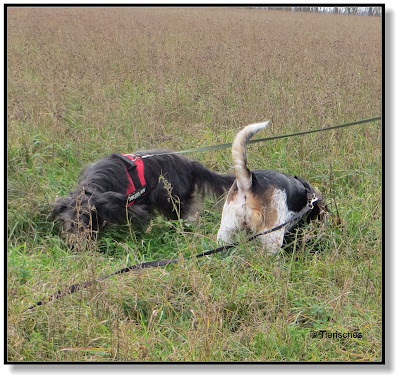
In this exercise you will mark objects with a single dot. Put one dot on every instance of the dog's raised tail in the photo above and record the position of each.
(239, 154)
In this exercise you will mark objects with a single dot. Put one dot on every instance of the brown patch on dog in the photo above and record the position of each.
(232, 193)
(263, 212)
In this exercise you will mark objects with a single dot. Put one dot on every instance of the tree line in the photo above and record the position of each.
(365, 11)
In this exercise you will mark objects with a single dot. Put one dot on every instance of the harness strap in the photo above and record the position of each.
(137, 162)
(134, 168)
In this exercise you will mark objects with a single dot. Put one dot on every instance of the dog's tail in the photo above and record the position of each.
(239, 154)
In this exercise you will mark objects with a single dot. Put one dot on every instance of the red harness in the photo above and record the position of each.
(135, 191)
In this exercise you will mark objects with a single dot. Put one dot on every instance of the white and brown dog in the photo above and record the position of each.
(262, 199)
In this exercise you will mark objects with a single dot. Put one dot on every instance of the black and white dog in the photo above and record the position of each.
(123, 187)
(262, 199)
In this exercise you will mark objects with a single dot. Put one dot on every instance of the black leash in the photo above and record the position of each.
(164, 262)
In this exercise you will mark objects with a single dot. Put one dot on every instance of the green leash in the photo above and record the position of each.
(227, 145)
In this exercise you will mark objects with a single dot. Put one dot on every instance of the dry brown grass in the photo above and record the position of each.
(119, 72)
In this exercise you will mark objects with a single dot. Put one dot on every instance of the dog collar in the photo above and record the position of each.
(134, 168)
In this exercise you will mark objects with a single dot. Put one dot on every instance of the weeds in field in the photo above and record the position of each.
(83, 83)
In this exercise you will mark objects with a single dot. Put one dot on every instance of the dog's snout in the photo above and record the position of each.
(69, 226)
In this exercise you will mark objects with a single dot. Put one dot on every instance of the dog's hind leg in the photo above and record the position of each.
(230, 222)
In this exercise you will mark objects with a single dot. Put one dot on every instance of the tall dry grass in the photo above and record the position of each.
(119, 71)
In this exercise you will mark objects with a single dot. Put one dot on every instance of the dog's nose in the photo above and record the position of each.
(69, 227)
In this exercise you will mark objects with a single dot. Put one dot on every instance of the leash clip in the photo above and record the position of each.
(312, 201)
(132, 157)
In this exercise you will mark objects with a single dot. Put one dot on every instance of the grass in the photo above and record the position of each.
(84, 83)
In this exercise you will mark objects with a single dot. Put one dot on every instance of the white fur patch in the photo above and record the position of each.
(238, 215)
(233, 217)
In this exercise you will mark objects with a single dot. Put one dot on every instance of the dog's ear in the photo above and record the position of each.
(109, 206)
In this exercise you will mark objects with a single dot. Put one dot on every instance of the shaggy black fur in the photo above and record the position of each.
(171, 184)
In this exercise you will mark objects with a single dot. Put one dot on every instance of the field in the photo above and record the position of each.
(83, 83)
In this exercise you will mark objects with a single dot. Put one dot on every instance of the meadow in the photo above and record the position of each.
(86, 82)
